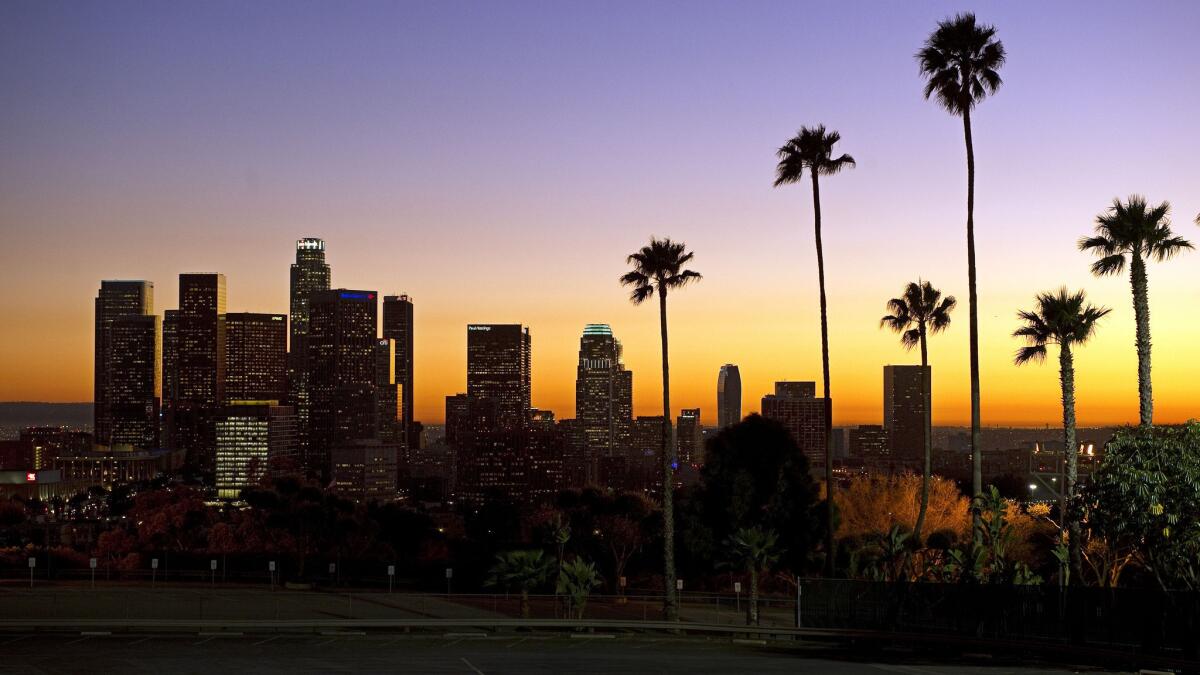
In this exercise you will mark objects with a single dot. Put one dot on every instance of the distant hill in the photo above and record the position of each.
(28, 413)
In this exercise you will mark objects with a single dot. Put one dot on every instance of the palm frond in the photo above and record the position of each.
(1035, 353)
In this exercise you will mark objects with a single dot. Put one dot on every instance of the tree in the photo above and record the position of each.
(959, 62)
(754, 476)
(754, 550)
(659, 268)
(871, 505)
(1144, 495)
(623, 536)
(522, 570)
(1131, 233)
(576, 581)
(1067, 320)
(812, 149)
(921, 310)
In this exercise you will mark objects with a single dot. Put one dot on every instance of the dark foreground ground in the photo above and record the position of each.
(453, 653)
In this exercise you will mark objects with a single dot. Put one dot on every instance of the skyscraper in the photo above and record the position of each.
(498, 369)
(904, 411)
(255, 357)
(729, 396)
(389, 395)
(196, 367)
(690, 436)
(254, 438)
(133, 380)
(116, 299)
(796, 406)
(603, 395)
(398, 326)
(341, 346)
(309, 274)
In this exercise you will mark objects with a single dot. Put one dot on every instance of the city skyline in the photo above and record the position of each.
(375, 171)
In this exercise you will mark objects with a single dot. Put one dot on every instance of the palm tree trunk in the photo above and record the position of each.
(1141, 314)
(753, 606)
(1070, 453)
(927, 398)
(524, 603)
(670, 606)
(973, 310)
(829, 540)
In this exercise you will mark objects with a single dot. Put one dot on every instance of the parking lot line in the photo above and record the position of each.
(472, 667)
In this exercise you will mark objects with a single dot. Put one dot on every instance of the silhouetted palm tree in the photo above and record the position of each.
(522, 570)
(755, 550)
(1065, 319)
(959, 62)
(1130, 233)
(812, 149)
(920, 311)
(659, 268)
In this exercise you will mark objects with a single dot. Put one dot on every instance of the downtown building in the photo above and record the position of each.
(689, 437)
(398, 327)
(603, 404)
(490, 437)
(729, 396)
(255, 357)
(795, 405)
(340, 358)
(309, 274)
(194, 369)
(255, 439)
(904, 412)
(127, 371)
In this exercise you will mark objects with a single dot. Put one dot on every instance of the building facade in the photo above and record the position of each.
(309, 274)
(254, 439)
(603, 398)
(255, 357)
(689, 436)
(904, 411)
(729, 396)
(796, 406)
(196, 368)
(127, 385)
(398, 326)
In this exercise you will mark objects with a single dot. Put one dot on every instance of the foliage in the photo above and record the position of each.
(577, 580)
(1144, 496)
(871, 505)
(523, 571)
(755, 476)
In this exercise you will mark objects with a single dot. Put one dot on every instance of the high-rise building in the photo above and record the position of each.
(603, 397)
(796, 406)
(689, 436)
(196, 367)
(869, 443)
(127, 419)
(341, 368)
(544, 448)
(134, 380)
(365, 470)
(255, 357)
(904, 411)
(389, 395)
(498, 369)
(398, 326)
(309, 274)
(729, 396)
(254, 439)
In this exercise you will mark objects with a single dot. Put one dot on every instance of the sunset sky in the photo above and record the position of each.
(498, 161)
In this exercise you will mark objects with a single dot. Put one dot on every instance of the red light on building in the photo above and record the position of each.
(30, 477)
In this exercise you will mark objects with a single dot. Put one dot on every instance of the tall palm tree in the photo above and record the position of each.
(755, 550)
(812, 149)
(1067, 320)
(959, 62)
(1128, 234)
(658, 268)
(921, 310)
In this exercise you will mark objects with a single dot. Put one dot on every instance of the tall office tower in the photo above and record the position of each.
(196, 367)
(729, 396)
(690, 437)
(904, 411)
(254, 439)
(869, 443)
(544, 449)
(498, 369)
(389, 395)
(398, 326)
(364, 470)
(456, 415)
(115, 299)
(644, 468)
(603, 396)
(309, 274)
(796, 406)
(133, 380)
(341, 370)
(170, 381)
(255, 357)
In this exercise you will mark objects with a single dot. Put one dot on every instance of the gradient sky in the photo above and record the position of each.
(498, 161)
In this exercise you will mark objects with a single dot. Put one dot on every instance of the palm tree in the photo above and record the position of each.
(1130, 233)
(755, 550)
(812, 149)
(658, 268)
(576, 581)
(920, 311)
(1065, 319)
(959, 63)
(522, 570)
